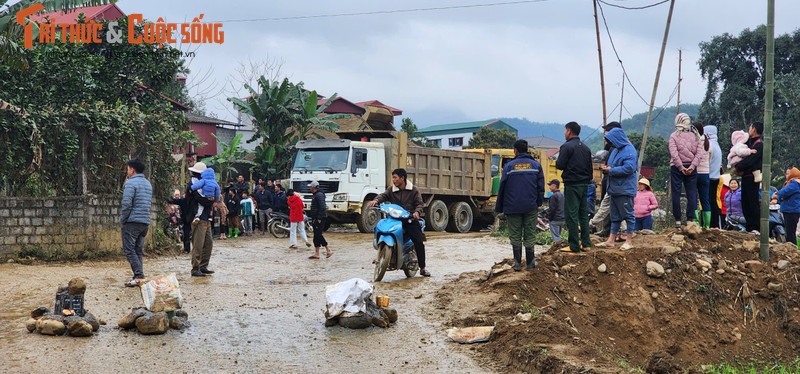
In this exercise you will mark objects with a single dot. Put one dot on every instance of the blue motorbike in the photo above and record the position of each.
(394, 252)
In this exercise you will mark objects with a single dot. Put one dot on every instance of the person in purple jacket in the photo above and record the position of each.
(733, 202)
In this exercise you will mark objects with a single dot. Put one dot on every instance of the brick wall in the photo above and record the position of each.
(71, 224)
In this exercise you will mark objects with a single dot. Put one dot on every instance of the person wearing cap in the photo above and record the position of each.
(134, 216)
(519, 196)
(202, 243)
(555, 210)
(575, 159)
(622, 171)
(318, 214)
(643, 205)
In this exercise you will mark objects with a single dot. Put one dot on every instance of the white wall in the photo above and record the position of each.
(445, 140)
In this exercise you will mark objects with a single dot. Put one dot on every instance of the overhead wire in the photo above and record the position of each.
(410, 10)
(619, 59)
(634, 7)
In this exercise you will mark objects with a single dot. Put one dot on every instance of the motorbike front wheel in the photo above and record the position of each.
(779, 237)
(278, 228)
(382, 262)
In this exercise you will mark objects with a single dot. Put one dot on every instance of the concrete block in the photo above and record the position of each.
(37, 203)
(11, 203)
(22, 239)
(49, 203)
(24, 221)
(36, 222)
(5, 213)
(4, 231)
(47, 221)
(9, 240)
(40, 230)
(16, 230)
(34, 239)
(27, 230)
(16, 212)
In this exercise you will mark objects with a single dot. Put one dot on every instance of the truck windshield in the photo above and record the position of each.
(327, 159)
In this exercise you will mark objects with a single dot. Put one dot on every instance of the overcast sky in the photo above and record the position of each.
(536, 60)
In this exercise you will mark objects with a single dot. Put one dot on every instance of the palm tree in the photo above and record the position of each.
(311, 118)
(271, 109)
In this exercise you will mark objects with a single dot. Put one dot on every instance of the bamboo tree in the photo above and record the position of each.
(766, 161)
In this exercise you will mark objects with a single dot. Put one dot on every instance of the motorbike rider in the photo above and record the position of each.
(405, 194)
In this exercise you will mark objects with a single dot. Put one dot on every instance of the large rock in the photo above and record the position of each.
(654, 269)
(79, 328)
(76, 286)
(39, 312)
(153, 323)
(356, 322)
(181, 313)
(782, 265)
(92, 320)
(30, 324)
(391, 314)
(50, 327)
(179, 323)
(129, 321)
(669, 249)
(692, 230)
(703, 264)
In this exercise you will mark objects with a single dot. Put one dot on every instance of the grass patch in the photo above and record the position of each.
(623, 363)
(528, 307)
(753, 368)
(28, 254)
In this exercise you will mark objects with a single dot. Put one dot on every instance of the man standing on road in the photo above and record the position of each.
(520, 194)
(134, 215)
(748, 168)
(575, 159)
(318, 214)
(202, 244)
(405, 194)
(241, 186)
(263, 200)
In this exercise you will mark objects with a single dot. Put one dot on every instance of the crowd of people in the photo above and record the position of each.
(716, 195)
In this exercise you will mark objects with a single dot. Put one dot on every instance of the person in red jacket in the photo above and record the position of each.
(297, 219)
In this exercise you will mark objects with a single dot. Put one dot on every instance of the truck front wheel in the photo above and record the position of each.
(367, 220)
(460, 217)
(437, 216)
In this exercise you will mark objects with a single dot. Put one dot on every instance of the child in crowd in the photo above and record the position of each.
(208, 189)
(739, 150)
(643, 205)
(555, 210)
(248, 212)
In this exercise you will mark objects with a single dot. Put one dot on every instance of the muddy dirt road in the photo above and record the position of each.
(260, 312)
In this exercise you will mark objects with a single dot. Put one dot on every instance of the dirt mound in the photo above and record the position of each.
(713, 302)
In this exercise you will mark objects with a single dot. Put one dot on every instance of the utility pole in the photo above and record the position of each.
(766, 161)
(622, 97)
(680, 78)
(600, 59)
(655, 87)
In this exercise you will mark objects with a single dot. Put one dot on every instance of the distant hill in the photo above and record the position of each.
(662, 124)
(527, 128)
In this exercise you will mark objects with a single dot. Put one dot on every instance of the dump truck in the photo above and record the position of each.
(456, 186)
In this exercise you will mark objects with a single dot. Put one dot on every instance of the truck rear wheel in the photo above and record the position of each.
(437, 216)
(368, 218)
(460, 217)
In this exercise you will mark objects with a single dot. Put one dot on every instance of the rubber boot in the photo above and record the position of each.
(236, 232)
(697, 218)
(530, 258)
(517, 257)
(230, 232)
(706, 220)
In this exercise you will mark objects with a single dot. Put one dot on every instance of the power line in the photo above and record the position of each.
(384, 11)
(619, 59)
(634, 7)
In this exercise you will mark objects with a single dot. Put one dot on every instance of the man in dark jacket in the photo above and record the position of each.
(280, 201)
(575, 159)
(188, 209)
(555, 210)
(241, 186)
(134, 215)
(264, 205)
(520, 194)
(405, 194)
(747, 168)
(318, 215)
(234, 207)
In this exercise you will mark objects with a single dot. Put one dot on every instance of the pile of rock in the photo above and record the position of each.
(154, 323)
(69, 316)
(374, 315)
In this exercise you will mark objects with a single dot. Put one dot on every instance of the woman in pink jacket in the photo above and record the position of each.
(685, 151)
(643, 205)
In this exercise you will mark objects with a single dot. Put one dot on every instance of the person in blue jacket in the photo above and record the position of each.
(622, 173)
(789, 197)
(520, 195)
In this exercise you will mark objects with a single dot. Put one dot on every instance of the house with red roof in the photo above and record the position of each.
(108, 12)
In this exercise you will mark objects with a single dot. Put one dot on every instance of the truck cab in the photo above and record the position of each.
(349, 172)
